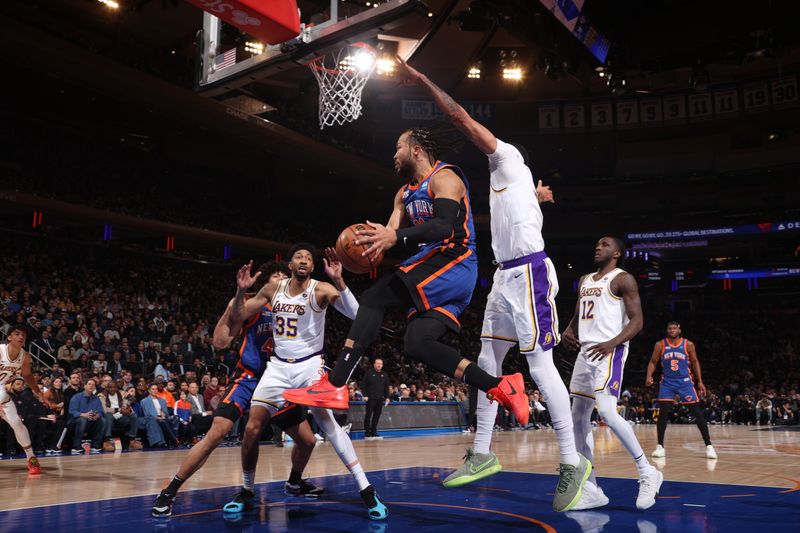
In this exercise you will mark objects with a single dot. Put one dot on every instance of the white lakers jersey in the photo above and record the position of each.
(9, 368)
(516, 218)
(602, 315)
(298, 322)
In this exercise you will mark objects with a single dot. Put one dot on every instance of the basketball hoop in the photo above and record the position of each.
(342, 75)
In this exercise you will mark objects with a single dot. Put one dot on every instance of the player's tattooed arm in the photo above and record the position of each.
(480, 136)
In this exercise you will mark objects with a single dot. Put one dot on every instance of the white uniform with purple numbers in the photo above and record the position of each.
(602, 317)
(298, 330)
(521, 306)
(8, 369)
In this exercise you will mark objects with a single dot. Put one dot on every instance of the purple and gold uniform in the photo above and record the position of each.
(677, 374)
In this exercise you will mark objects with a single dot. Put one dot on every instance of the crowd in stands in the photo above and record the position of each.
(132, 353)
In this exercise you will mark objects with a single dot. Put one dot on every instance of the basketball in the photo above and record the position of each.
(350, 253)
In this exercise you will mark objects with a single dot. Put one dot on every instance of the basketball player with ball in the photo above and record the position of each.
(432, 221)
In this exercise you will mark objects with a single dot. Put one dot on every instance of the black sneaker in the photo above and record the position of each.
(162, 507)
(375, 507)
(304, 489)
(241, 502)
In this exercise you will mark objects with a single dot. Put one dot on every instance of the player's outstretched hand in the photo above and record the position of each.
(243, 278)
(701, 388)
(600, 351)
(406, 75)
(570, 339)
(378, 237)
(544, 194)
(333, 266)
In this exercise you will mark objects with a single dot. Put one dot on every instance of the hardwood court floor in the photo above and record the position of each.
(747, 456)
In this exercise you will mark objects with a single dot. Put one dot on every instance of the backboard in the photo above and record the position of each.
(228, 60)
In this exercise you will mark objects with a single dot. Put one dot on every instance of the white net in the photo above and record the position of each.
(341, 76)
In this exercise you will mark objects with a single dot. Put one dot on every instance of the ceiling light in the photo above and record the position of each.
(514, 74)
(474, 73)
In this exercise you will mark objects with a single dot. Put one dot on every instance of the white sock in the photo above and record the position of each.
(341, 443)
(249, 479)
(491, 361)
(545, 374)
(582, 428)
(607, 407)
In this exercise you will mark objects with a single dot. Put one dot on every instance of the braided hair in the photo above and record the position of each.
(436, 141)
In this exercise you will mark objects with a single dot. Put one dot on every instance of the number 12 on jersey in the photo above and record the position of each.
(588, 310)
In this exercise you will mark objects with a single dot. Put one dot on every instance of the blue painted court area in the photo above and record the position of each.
(505, 502)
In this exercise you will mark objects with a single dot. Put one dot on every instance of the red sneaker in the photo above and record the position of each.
(320, 394)
(33, 466)
(511, 393)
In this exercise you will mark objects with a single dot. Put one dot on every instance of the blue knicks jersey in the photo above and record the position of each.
(675, 361)
(258, 344)
(418, 203)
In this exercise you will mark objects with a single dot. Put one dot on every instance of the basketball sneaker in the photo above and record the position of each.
(570, 484)
(592, 497)
(711, 453)
(511, 393)
(241, 502)
(375, 507)
(304, 489)
(649, 485)
(659, 451)
(476, 466)
(162, 507)
(320, 394)
(33, 466)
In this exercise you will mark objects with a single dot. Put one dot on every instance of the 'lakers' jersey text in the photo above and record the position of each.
(8, 368)
(602, 314)
(298, 322)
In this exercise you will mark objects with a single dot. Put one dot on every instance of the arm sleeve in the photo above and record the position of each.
(346, 303)
(445, 212)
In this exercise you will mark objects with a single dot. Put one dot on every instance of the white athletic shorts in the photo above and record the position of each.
(521, 307)
(604, 375)
(10, 414)
(281, 375)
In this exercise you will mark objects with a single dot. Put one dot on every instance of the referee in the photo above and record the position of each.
(375, 387)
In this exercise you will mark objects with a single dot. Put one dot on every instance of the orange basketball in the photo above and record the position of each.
(350, 253)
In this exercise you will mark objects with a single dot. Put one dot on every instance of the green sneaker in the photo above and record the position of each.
(570, 484)
(476, 466)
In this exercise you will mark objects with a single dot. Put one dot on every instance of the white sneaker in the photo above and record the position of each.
(318, 436)
(592, 497)
(711, 453)
(659, 452)
(649, 485)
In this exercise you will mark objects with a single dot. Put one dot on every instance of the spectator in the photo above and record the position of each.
(201, 416)
(66, 354)
(157, 419)
(56, 402)
(763, 406)
(85, 415)
(119, 414)
(74, 387)
(183, 412)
